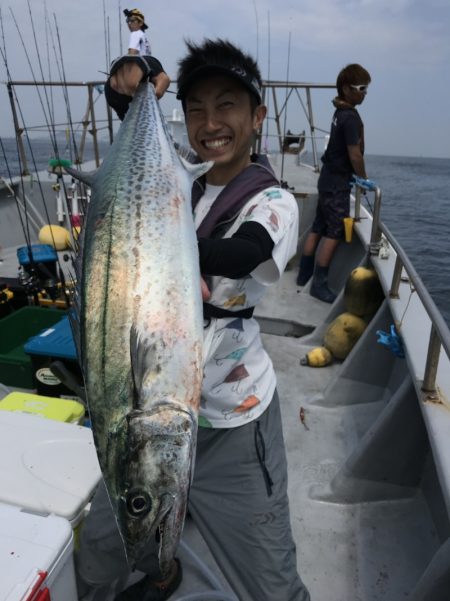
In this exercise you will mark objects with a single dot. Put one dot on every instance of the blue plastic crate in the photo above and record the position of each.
(42, 253)
(56, 341)
(53, 344)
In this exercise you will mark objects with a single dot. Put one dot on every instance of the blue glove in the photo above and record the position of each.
(392, 341)
(366, 184)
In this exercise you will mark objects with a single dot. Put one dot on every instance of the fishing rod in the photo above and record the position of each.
(48, 121)
(34, 270)
(105, 30)
(120, 28)
(257, 30)
(52, 138)
(47, 31)
(285, 107)
(25, 225)
(65, 89)
(268, 79)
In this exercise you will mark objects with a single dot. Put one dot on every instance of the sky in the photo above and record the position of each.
(404, 44)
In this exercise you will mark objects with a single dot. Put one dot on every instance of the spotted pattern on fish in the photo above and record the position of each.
(142, 327)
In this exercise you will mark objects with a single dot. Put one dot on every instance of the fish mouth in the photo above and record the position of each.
(166, 535)
(164, 541)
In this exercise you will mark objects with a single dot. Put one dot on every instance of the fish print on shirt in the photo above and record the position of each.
(273, 218)
(235, 301)
(234, 355)
(243, 408)
(237, 325)
(235, 377)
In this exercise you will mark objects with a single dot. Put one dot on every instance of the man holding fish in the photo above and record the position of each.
(247, 229)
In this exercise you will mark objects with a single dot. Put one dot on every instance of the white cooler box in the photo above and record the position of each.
(46, 466)
(36, 557)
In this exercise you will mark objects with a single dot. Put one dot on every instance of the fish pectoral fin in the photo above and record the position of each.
(86, 178)
(186, 153)
(142, 360)
(195, 170)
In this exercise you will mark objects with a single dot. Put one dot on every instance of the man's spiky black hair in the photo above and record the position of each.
(217, 57)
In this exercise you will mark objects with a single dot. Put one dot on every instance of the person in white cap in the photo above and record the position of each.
(137, 65)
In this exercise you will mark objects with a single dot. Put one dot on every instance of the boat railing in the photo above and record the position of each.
(277, 95)
(279, 111)
(439, 333)
(90, 123)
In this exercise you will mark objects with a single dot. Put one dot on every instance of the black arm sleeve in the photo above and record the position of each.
(237, 256)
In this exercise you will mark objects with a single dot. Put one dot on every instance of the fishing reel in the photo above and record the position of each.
(38, 271)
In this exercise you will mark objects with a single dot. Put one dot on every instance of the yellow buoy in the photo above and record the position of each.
(363, 293)
(55, 236)
(317, 357)
(343, 333)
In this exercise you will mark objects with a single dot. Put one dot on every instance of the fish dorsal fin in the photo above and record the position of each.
(191, 162)
(142, 361)
(86, 178)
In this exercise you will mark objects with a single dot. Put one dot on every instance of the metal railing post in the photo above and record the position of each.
(312, 128)
(429, 378)
(375, 236)
(357, 203)
(94, 126)
(396, 278)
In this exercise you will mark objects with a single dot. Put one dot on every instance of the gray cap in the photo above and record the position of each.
(237, 72)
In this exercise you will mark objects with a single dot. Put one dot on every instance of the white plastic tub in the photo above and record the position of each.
(46, 466)
(36, 557)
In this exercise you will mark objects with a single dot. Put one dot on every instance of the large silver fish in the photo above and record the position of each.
(141, 328)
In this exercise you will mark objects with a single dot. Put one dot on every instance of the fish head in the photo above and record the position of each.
(154, 488)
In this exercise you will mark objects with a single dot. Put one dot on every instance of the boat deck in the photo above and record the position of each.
(367, 472)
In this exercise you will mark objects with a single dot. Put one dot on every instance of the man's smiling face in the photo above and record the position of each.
(221, 125)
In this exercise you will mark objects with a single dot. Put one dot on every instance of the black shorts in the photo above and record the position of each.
(332, 207)
(150, 68)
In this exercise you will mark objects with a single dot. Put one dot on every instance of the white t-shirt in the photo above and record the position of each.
(239, 378)
(205, 202)
(138, 41)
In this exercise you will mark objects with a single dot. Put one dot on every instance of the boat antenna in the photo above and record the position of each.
(286, 100)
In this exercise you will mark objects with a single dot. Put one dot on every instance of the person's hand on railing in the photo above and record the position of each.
(365, 184)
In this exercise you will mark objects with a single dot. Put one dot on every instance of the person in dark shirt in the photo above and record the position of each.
(343, 158)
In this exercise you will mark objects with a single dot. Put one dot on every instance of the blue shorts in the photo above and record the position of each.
(332, 207)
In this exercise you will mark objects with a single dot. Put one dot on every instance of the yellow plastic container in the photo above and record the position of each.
(61, 410)
(348, 225)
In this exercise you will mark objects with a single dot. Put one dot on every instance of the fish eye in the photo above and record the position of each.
(138, 503)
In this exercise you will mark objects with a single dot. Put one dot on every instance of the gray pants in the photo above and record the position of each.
(238, 501)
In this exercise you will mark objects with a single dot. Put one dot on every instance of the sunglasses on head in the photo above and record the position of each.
(360, 88)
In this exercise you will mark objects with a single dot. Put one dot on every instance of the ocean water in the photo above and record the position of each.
(415, 208)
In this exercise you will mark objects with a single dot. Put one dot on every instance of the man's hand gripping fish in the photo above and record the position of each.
(140, 328)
